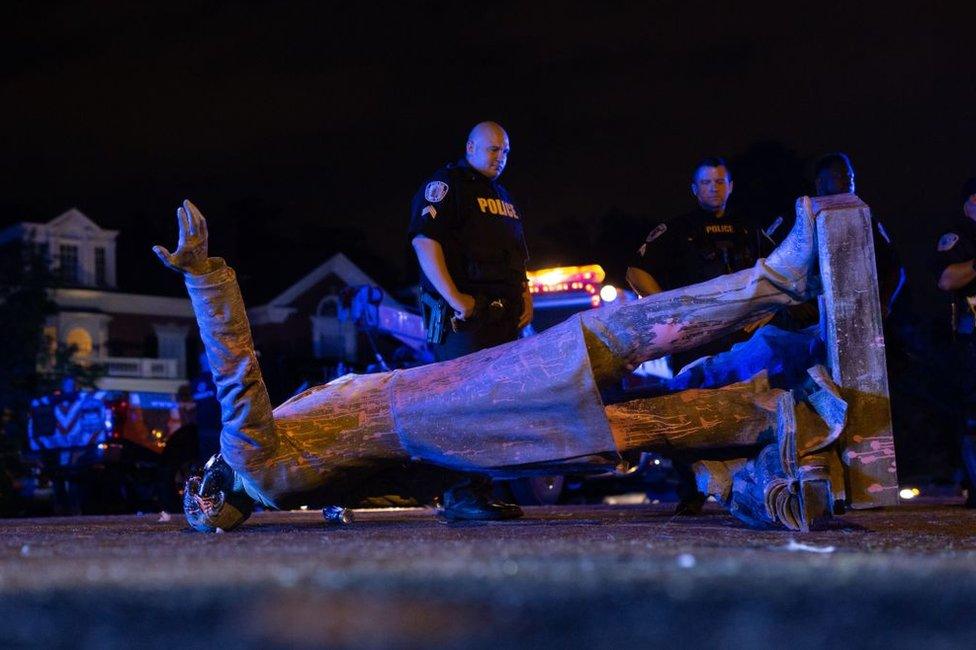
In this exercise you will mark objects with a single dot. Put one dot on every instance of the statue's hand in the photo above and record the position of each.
(191, 251)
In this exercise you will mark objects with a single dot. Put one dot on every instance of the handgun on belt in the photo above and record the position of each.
(434, 311)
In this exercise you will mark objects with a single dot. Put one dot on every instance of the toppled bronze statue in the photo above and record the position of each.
(527, 407)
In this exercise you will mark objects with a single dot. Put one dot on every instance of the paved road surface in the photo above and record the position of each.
(582, 576)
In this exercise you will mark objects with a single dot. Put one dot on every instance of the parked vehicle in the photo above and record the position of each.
(114, 451)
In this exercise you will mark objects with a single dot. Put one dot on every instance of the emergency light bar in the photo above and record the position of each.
(566, 278)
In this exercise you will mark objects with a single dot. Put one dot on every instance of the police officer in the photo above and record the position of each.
(833, 173)
(699, 245)
(467, 232)
(694, 247)
(956, 267)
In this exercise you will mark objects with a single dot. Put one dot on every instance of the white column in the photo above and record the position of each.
(172, 344)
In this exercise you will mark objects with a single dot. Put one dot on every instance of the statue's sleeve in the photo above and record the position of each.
(248, 437)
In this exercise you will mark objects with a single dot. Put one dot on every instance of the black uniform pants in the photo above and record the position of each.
(478, 335)
(964, 356)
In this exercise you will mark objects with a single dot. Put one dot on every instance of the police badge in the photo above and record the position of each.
(947, 241)
(435, 191)
(659, 230)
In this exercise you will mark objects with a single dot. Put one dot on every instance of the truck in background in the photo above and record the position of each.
(113, 451)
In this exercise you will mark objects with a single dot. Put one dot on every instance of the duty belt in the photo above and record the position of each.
(437, 314)
(486, 310)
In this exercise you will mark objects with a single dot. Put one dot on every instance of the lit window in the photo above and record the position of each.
(81, 339)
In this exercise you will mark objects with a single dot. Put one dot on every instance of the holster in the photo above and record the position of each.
(435, 312)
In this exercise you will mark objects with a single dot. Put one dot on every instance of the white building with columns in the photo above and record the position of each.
(142, 340)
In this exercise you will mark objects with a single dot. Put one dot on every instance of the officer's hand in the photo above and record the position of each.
(191, 251)
(463, 306)
(527, 309)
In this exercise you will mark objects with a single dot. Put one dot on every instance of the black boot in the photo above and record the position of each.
(470, 499)
(968, 452)
(690, 500)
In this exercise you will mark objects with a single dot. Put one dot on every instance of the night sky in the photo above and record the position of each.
(305, 128)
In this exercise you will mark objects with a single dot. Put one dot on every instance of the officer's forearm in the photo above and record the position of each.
(431, 258)
(642, 282)
(956, 276)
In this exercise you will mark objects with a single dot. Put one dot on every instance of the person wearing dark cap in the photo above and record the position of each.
(955, 263)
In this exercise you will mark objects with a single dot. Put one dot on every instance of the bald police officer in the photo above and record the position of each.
(467, 232)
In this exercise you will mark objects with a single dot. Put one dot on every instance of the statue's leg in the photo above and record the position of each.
(682, 319)
(739, 415)
(778, 471)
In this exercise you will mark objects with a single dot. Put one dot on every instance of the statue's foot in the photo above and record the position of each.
(792, 262)
(216, 499)
(774, 490)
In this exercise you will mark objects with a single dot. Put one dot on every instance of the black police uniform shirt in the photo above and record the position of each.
(958, 244)
(479, 227)
(891, 272)
(696, 247)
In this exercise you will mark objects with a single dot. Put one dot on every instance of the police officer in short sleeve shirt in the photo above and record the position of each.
(467, 232)
(955, 255)
(955, 262)
(697, 246)
(694, 247)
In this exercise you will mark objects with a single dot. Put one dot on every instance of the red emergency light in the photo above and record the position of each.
(566, 278)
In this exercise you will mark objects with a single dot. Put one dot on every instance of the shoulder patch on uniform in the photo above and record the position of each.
(429, 210)
(658, 230)
(435, 191)
(947, 241)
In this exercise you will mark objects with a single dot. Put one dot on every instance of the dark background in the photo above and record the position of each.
(303, 128)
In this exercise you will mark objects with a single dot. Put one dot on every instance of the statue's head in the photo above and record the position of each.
(216, 498)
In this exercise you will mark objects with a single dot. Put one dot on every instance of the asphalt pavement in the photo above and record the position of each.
(566, 576)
